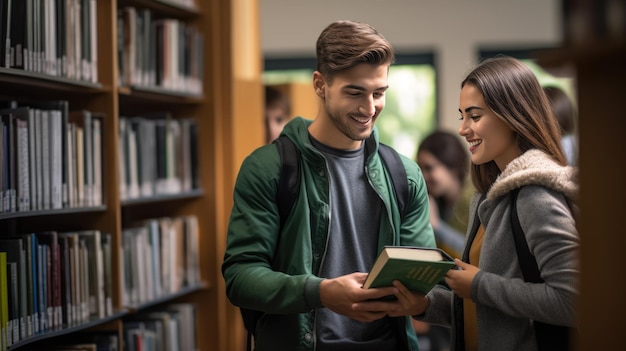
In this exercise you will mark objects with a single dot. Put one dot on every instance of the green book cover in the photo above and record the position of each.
(418, 268)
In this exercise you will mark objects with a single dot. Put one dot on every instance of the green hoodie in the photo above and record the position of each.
(275, 271)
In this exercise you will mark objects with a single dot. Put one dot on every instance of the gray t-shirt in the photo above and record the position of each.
(355, 212)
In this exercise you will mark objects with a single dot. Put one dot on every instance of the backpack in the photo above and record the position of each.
(289, 186)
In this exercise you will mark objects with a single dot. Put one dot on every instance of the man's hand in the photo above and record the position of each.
(341, 294)
(408, 303)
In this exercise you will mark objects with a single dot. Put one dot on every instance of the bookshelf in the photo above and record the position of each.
(594, 49)
(228, 116)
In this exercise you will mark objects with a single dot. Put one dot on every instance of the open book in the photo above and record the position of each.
(418, 268)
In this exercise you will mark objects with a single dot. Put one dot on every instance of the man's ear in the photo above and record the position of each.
(319, 84)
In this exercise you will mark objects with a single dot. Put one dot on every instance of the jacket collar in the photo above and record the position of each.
(298, 131)
(535, 167)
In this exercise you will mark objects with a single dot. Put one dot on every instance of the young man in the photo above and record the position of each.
(305, 276)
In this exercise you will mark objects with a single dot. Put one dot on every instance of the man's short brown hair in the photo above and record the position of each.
(345, 44)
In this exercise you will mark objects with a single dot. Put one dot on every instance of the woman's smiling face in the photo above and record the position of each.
(490, 139)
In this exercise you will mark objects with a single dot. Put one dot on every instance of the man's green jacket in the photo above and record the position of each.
(276, 271)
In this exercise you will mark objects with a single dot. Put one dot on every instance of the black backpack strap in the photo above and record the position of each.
(527, 262)
(289, 183)
(394, 165)
(549, 337)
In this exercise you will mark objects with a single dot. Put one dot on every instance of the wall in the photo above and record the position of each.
(453, 29)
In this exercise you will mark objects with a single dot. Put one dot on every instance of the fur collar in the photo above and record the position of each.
(534, 167)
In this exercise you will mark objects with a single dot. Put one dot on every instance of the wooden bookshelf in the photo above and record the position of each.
(228, 113)
(600, 73)
(594, 49)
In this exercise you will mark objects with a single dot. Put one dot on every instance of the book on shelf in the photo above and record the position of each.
(42, 286)
(132, 263)
(55, 305)
(143, 130)
(5, 33)
(31, 299)
(17, 145)
(83, 287)
(61, 47)
(14, 247)
(75, 347)
(95, 270)
(188, 158)
(14, 313)
(86, 171)
(23, 159)
(192, 254)
(187, 316)
(96, 126)
(17, 33)
(154, 236)
(83, 120)
(418, 268)
(66, 282)
(4, 302)
(105, 340)
(73, 262)
(9, 156)
(171, 324)
(107, 248)
(56, 112)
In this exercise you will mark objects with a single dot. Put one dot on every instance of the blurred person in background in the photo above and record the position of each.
(565, 112)
(277, 112)
(445, 164)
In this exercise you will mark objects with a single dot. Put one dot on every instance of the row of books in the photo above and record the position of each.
(85, 341)
(160, 257)
(185, 3)
(50, 157)
(158, 155)
(53, 280)
(55, 37)
(169, 329)
(158, 52)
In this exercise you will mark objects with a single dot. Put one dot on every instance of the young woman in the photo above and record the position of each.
(514, 141)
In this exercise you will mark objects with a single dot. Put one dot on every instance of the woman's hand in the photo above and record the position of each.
(460, 280)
